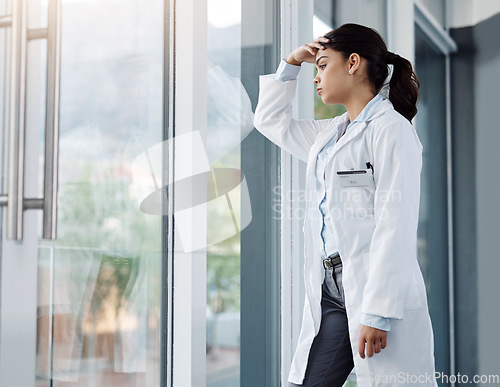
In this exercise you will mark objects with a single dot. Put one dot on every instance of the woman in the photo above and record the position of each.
(366, 303)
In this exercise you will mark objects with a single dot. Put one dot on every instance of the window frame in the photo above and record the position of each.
(186, 287)
(296, 29)
(19, 259)
(187, 283)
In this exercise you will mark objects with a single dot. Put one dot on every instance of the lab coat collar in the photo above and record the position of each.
(374, 110)
(376, 107)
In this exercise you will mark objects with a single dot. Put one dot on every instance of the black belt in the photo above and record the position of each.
(332, 261)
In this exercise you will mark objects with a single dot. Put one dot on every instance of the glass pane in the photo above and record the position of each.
(229, 121)
(430, 123)
(100, 282)
(242, 275)
(323, 22)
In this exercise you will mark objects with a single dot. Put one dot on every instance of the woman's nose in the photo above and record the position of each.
(316, 79)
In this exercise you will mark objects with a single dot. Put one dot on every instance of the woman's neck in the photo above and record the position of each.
(358, 103)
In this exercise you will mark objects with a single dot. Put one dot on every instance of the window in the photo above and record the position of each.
(430, 123)
(100, 282)
(323, 22)
(216, 93)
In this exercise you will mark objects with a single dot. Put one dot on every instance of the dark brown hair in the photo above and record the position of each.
(367, 43)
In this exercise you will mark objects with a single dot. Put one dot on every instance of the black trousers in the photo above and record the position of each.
(330, 358)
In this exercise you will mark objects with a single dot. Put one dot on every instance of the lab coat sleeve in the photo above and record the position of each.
(273, 118)
(286, 71)
(229, 117)
(397, 162)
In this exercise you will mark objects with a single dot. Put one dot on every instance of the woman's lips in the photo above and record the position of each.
(319, 90)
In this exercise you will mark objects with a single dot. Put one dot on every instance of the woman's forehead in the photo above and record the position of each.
(327, 53)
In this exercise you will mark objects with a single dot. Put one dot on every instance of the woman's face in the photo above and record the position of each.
(333, 80)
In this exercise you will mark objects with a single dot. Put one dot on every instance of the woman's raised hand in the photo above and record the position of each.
(306, 52)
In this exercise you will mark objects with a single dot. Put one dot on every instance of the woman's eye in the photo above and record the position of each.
(322, 66)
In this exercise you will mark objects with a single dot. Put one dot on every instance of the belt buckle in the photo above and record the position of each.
(332, 261)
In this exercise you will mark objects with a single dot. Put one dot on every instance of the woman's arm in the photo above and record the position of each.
(273, 115)
(397, 162)
(273, 118)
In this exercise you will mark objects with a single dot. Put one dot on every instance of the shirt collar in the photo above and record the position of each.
(372, 108)
(369, 109)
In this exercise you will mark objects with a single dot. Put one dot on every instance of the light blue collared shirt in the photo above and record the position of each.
(288, 72)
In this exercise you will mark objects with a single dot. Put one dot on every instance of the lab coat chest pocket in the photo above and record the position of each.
(356, 192)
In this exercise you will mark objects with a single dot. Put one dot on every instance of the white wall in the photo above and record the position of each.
(437, 8)
(462, 13)
(367, 12)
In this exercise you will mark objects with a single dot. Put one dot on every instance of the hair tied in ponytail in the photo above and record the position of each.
(367, 43)
(391, 57)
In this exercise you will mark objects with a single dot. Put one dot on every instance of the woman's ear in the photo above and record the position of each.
(353, 62)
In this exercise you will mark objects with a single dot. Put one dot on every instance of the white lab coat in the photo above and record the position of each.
(376, 231)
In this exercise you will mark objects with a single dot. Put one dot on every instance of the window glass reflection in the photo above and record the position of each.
(323, 22)
(99, 282)
(229, 121)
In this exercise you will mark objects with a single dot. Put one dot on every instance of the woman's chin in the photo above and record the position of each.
(328, 100)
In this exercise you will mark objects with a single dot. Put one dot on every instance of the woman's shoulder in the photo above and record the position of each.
(389, 117)
(392, 124)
